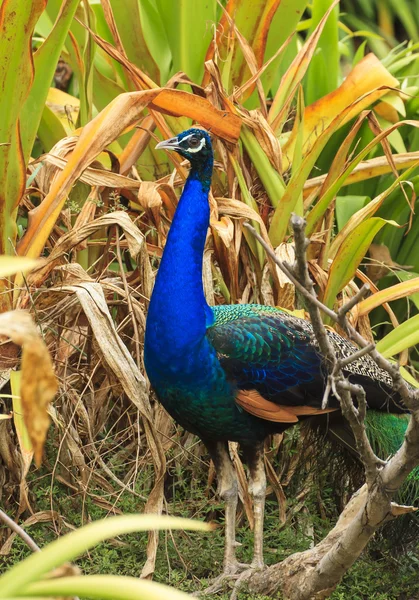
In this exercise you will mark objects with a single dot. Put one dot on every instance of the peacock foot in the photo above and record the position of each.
(234, 575)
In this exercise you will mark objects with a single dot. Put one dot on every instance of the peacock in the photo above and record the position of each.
(234, 372)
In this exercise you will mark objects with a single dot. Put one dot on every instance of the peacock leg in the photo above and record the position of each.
(254, 457)
(228, 491)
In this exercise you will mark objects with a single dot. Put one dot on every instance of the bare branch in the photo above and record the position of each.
(343, 311)
(344, 362)
(19, 531)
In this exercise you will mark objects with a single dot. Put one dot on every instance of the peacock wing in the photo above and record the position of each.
(271, 360)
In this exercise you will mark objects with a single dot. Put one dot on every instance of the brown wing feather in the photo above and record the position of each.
(255, 404)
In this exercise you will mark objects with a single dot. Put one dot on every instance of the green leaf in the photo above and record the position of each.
(323, 72)
(402, 337)
(408, 276)
(70, 546)
(188, 33)
(271, 179)
(45, 61)
(346, 206)
(106, 587)
(348, 257)
(359, 54)
(284, 23)
(17, 21)
(408, 377)
(127, 17)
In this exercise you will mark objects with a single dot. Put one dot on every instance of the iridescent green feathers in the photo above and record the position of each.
(277, 353)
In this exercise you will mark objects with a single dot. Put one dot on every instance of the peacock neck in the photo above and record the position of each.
(178, 313)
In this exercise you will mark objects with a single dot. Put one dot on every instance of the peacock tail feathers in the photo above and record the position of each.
(386, 434)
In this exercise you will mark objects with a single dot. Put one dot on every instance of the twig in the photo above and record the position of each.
(344, 362)
(343, 311)
(23, 535)
(20, 532)
(341, 386)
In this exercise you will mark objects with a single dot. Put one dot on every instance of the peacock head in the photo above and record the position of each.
(193, 144)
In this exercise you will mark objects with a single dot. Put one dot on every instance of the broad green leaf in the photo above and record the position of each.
(77, 542)
(402, 337)
(365, 84)
(280, 219)
(271, 179)
(298, 150)
(104, 90)
(367, 169)
(293, 77)
(408, 276)
(405, 13)
(346, 206)
(348, 257)
(394, 99)
(323, 72)
(106, 587)
(359, 54)
(408, 377)
(45, 61)
(395, 138)
(188, 33)
(156, 38)
(130, 28)
(254, 245)
(284, 24)
(366, 212)
(17, 21)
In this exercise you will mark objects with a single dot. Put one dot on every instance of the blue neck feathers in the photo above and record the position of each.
(178, 314)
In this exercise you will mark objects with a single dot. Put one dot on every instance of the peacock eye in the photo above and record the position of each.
(194, 142)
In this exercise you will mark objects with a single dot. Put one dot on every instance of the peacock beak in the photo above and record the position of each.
(172, 144)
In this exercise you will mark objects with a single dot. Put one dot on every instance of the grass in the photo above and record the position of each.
(188, 560)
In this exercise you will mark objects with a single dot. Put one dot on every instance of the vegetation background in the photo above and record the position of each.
(314, 109)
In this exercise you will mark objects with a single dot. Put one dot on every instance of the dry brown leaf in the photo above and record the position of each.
(74, 237)
(148, 195)
(121, 114)
(401, 509)
(243, 486)
(38, 381)
(223, 235)
(277, 488)
(381, 262)
(93, 176)
(286, 295)
(267, 139)
(237, 209)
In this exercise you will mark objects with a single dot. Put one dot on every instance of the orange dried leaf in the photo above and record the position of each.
(400, 290)
(367, 82)
(107, 126)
